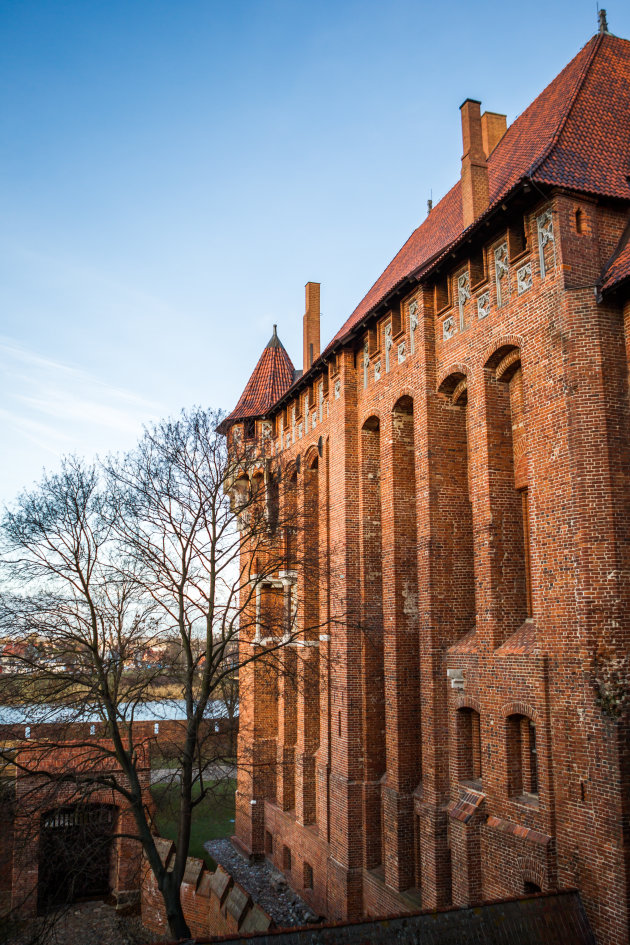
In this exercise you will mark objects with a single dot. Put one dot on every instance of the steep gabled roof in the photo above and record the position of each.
(270, 379)
(575, 134)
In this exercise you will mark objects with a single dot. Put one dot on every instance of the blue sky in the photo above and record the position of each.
(173, 173)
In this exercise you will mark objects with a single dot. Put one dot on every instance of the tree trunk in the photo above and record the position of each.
(177, 924)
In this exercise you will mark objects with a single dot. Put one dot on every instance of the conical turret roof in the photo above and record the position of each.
(270, 379)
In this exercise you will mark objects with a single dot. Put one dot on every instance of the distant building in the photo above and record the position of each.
(465, 438)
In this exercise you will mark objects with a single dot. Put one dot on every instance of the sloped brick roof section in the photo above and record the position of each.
(270, 379)
(550, 919)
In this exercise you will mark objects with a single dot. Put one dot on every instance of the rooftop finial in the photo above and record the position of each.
(274, 341)
(603, 22)
(429, 206)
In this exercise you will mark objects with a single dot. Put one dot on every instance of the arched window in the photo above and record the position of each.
(453, 518)
(289, 520)
(522, 758)
(508, 475)
(311, 553)
(468, 745)
(372, 655)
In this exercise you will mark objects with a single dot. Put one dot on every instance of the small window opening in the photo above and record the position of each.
(250, 429)
(533, 760)
(477, 268)
(579, 221)
(92, 729)
(517, 238)
(531, 888)
(156, 728)
(526, 539)
(286, 859)
(268, 843)
(469, 745)
(27, 731)
(308, 876)
(522, 756)
(441, 294)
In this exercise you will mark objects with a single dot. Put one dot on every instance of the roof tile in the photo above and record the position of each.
(619, 269)
(574, 134)
(270, 379)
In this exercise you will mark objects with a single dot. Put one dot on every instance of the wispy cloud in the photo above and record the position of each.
(81, 278)
(56, 407)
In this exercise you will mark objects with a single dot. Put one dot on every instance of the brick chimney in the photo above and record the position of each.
(493, 127)
(475, 196)
(311, 325)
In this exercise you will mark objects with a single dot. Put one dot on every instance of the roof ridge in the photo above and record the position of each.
(597, 41)
(435, 210)
(555, 140)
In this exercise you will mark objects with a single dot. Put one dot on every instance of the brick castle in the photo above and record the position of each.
(458, 731)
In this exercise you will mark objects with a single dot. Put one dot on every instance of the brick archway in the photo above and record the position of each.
(532, 872)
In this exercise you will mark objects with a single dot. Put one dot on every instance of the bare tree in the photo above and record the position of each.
(143, 555)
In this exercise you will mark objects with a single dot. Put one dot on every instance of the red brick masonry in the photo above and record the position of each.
(457, 729)
(212, 902)
(548, 919)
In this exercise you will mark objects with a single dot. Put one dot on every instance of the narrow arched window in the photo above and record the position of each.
(522, 756)
(468, 745)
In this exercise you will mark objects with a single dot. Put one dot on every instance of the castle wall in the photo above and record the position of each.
(213, 904)
(474, 443)
(29, 795)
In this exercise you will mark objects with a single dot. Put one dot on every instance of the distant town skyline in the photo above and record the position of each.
(173, 174)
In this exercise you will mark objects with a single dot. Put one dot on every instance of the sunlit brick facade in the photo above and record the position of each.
(457, 729)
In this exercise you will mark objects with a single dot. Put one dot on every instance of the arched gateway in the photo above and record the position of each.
(75, 850)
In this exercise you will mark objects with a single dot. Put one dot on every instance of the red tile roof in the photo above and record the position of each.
(575, 134)
(619, 269)
(270, 379)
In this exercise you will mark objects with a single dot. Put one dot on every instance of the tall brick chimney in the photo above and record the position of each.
(475, 195)
(311, 325)
(493, 127)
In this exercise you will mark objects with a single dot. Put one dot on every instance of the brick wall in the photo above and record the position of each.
(541, 920)
(213, 903)
(474, 484)
(42, 782)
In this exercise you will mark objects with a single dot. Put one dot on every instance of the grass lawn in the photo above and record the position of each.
(214, 817)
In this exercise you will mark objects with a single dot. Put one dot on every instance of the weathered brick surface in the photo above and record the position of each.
(213, 903)
(541, 920)
(32, 794)
(473, 483)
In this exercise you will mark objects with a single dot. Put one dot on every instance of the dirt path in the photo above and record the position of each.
(216, 772)
(84, 923)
